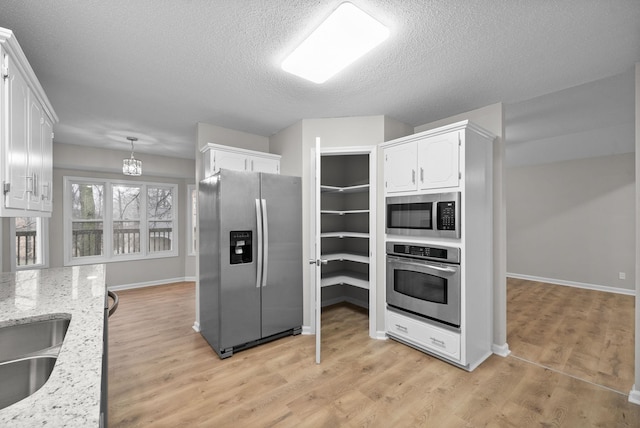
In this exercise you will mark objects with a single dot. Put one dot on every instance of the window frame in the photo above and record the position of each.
(43, 233)
(108, 255)
(192, 220)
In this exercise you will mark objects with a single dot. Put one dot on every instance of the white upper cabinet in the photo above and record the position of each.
(423, 161)
(439, 161)
(400, 168)
(216, 156)
(26, 135)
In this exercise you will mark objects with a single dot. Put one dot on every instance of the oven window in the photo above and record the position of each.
(430, 288)
(410, 216)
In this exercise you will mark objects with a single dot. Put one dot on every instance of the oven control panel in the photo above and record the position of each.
(427, 252)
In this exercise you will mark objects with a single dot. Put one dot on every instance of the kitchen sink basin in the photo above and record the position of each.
(21, 378)
(21, 340)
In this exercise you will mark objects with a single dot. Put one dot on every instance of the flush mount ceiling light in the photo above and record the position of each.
(346, 35)
(132, 166)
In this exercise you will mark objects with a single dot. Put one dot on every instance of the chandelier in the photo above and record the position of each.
(132, 166)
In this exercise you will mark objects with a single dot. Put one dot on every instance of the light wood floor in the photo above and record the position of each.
(163, 374)
(585, 333)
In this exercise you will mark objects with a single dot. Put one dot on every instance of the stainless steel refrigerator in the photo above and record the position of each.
(250, 242)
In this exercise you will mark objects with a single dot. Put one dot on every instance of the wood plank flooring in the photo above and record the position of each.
(584, 333)
(163, 374)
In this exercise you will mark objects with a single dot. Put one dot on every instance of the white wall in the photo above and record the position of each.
(574, 221)
(82, 161)
(634, 395)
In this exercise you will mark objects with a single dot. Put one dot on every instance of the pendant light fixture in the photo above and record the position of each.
(132, 166)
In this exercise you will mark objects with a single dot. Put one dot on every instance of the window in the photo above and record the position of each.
(87, 207)
(108, 220)
(192, 232)
(30, 243)
(126, 219)
(160, 217)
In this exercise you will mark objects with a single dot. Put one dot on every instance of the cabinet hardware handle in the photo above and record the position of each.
(29, 184)
(413, 176)
(421, 175)
(437, 342)
(402, 328)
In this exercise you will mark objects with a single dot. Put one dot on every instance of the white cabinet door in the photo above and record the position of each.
(17, 150)
(400, 168)
(229, 160)
(438, 161)
(260, 164)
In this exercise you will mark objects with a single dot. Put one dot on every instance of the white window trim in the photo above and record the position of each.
(191, 251)
(44, 245)
(108, 256)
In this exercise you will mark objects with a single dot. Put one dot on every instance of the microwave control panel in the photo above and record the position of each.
(446, 215)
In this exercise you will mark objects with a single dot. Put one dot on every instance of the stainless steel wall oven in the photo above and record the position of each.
(424, 280)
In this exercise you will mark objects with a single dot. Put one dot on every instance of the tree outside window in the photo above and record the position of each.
(29, 244)
(160, 218)
(87, 201)
(126, 219)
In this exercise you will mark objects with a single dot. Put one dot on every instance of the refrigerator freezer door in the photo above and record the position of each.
(282, 291)
(239, 297)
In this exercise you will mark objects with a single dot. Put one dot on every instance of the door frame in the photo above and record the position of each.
(315, 305)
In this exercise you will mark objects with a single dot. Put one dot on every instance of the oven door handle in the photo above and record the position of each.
(441, 269)
(422, 264)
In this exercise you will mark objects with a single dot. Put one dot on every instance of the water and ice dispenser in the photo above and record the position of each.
(241, 247)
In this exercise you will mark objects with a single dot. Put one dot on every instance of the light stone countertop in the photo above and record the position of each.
(71, 396)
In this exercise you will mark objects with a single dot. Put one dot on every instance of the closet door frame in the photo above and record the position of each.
(316, 302)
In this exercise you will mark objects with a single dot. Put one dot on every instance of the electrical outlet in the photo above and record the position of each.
(622, 275)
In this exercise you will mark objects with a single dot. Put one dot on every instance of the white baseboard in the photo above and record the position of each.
(634, 395)
(381, 335)
(196, 326)
(575, 284)
(501, 350)
(149, 283)
(306, 330)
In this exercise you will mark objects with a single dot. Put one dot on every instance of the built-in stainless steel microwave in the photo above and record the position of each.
(433, 215)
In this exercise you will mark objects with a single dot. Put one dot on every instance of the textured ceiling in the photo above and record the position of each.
(154, 68)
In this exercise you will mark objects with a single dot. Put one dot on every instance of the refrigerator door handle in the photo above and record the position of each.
(259, 225)
(265, 243)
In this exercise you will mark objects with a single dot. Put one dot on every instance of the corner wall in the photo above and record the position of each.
(572, 222)
(634, 394)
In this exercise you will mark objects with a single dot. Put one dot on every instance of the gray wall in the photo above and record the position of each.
(574, 221)
(571, 185)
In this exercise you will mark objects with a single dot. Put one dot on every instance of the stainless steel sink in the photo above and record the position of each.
(28, 353)
(25, 339)
(21, 378)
